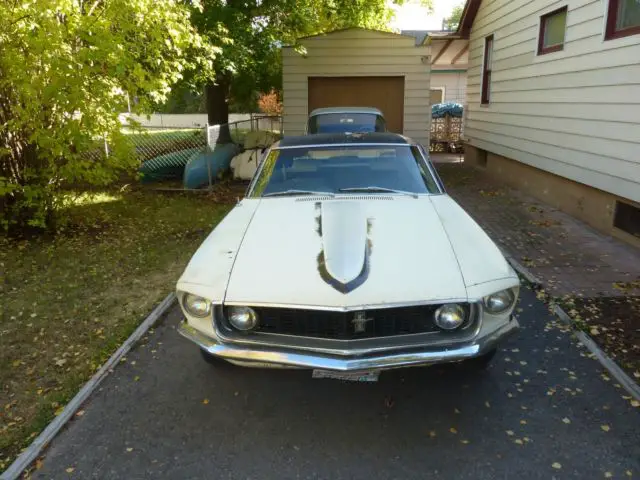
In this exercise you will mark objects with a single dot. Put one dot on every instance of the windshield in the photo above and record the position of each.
(344, 170)
(346, 123)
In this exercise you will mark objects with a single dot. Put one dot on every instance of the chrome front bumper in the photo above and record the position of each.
(377, 361)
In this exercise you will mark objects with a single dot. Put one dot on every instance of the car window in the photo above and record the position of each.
(343, 168)
(346, 123)
(381, 125)
(426, 174)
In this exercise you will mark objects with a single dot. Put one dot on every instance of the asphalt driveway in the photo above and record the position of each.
(543, 410)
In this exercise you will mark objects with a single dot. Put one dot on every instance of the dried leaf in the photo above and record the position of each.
(556, 465)
(566, 420)
(605, 428)
(453, 430)
(205, 401)
(69, 469)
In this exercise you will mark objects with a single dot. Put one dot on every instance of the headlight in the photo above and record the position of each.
(242, 318)
(449, 317)
(196, 306)
(499, 301)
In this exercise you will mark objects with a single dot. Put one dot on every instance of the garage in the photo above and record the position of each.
(360, 68)
(384, 93)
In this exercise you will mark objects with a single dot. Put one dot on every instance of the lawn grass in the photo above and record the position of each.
(69, 302)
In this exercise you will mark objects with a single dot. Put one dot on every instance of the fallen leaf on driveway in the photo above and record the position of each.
(566, 420)
(432, 433)
(70, 470)
(129, 449)
(510, 433)
(606, 428)
(205, 401)
(556, 465)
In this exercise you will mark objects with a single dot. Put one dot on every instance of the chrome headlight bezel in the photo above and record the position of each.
(507, 297)
(195, 305)
(462, 312)
(253, 319)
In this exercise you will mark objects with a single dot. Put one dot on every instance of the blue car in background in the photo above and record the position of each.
(346, 120)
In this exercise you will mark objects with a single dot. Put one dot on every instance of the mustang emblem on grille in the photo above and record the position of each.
(360, 321)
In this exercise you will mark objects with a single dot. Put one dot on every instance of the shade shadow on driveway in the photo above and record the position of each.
(543, 410)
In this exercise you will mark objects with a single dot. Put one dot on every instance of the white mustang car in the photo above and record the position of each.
(347, 257)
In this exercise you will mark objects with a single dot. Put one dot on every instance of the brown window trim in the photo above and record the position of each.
(554, 48)
(486, 72)
(610, 32)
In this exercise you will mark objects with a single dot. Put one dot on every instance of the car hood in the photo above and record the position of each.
(348, 252)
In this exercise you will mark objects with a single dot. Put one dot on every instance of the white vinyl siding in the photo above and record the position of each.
(454, 84)
(357, 52)
(575, 112)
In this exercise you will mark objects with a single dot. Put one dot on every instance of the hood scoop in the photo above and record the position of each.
(343, 262)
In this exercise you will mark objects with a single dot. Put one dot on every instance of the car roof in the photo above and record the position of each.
(324, 111)
(343, 139)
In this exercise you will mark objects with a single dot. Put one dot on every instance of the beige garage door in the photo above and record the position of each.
(385, 93)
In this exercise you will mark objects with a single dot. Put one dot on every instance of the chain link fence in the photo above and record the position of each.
(163, 152)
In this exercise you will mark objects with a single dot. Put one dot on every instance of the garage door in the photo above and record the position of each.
(385, 93)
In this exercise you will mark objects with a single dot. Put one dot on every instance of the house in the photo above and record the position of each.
(358, 67)
(553, 103)
(449, 58)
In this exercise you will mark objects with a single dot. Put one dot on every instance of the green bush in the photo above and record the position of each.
(65, 68)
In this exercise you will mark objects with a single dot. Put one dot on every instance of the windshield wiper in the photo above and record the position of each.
(296, 192)
(374, 189)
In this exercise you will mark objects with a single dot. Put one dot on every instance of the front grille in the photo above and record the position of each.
(352, 325)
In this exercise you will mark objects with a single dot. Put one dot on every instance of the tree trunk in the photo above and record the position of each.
(218, 107)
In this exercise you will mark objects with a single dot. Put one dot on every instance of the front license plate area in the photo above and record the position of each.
(371, 376)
